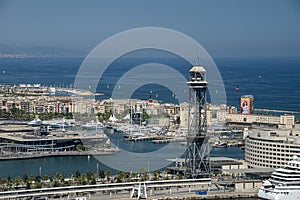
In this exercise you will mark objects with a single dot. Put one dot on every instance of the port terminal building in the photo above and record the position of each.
(22, 141)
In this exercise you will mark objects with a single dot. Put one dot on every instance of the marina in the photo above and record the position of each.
(21, 142)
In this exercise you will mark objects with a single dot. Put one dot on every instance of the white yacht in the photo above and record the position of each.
(284, 183)
(35, 122)
(93, 125)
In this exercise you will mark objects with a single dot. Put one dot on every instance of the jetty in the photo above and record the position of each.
(33, 155)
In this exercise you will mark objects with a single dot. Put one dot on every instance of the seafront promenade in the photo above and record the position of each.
(164, 189)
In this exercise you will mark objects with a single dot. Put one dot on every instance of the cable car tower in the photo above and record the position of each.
(197, 160)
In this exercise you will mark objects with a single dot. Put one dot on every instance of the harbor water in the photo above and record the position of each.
(70, 164)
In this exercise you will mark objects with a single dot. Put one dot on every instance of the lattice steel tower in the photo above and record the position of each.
(197, 159)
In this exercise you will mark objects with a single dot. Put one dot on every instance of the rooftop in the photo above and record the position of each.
(197, 68)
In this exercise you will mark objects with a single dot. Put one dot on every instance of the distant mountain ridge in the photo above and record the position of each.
(38, 51)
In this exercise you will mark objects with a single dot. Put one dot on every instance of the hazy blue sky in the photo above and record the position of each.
(223, 27)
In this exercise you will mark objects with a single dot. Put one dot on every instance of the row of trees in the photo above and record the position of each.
(88, 178)
(17, 114)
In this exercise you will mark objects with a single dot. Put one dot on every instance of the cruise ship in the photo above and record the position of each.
(284, 183)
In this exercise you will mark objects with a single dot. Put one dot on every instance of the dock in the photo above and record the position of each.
(18, 156)
(156, 139)
(167, 140)
(142, 138)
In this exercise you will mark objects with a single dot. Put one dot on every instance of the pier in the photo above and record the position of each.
(32, 155)
(142, 138)
(167, 140)
(155, 139)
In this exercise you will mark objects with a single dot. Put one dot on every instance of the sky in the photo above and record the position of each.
(223, 27)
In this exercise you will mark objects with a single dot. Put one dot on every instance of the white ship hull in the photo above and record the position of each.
(284, 183)
(284, 195)
(262, 194)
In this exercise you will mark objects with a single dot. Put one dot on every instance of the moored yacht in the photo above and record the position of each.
(35, 122)
(93, 125)
(284, 183)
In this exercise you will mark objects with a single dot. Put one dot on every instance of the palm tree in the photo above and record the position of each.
(70, 176)
(3, 182)
(38, 181)
(108, 175)
(89, 176)
(155, 174)
(9, 183)
(29, 181)
(77, 174)
(59, 177)
(25, 177)
(18, 181)
(83, 179)
(101, 174)
(120, 176)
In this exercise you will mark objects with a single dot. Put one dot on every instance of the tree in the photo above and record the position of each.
(38, 179)
(120, 176)
(108, 175)
(25, 177)
(18, 181)
(93, 181)
(168, 171)
(59, 177)
(15, 112)
(145, 116)
(89, 176)
(3, 183)
(155, 174)
(104, 116)
(70, 176)
(77, 174)
(101, 174)
(83, 179)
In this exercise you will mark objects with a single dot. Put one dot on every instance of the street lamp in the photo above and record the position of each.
(97, 171)
(40, 171)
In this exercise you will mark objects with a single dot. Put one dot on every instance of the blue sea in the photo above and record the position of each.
(273, 81)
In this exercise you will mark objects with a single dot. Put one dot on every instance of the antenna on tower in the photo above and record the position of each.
(197, 61)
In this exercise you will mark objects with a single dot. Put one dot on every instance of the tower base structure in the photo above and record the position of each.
(197, 159)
